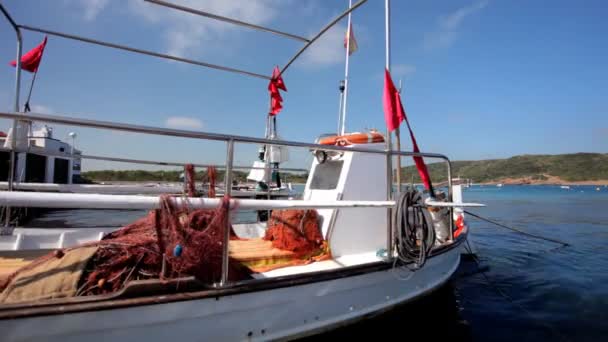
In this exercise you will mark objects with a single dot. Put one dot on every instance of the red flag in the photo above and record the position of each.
(394, 114)
(31, 60)
(276, 83)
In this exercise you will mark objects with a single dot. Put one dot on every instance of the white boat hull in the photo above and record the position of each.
(282, 313)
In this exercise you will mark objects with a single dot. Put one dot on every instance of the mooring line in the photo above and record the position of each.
(565, 244)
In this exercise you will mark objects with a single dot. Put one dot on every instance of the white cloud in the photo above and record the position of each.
(40, 109)
(90, 8)
(183, 122)
(328, 50)
(448, 25)
(186, 34)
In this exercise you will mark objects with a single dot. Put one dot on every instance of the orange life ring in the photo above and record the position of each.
(353, 138)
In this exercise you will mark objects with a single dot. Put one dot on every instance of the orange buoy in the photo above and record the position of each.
(459, 226)
(353, 138)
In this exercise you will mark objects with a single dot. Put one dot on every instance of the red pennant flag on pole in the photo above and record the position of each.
(31, 60)
(276, 83)
(394, 114)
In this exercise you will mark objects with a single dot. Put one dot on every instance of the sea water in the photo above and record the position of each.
(525, 290)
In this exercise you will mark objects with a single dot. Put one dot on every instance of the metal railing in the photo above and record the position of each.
(230, 140)
(147, 162)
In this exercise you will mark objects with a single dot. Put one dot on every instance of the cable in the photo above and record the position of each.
(517, 230)
(415, 233)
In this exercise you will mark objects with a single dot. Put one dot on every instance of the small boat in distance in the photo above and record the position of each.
(566, 187)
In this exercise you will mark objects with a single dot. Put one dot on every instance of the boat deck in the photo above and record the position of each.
(17, 259)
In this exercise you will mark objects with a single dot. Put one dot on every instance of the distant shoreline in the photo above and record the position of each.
(550, 180)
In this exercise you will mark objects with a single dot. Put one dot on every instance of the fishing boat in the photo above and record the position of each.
(369, 248)
(45, 159)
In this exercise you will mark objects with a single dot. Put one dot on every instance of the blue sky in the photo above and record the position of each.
(481, 79)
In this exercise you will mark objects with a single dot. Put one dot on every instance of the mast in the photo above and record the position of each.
(389, 145)
(389, 157)
(343, 120)
(340, 107)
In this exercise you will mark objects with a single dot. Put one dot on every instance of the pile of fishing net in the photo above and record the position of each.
(169, 242)
(297, 231)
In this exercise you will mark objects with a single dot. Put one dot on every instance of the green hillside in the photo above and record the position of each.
(169, 176)
(568, 167)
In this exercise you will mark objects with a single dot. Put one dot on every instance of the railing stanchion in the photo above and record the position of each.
(389, 144)
(450, 199)
(227, 192)
(11, 172)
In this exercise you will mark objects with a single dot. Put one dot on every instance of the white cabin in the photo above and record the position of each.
(351, 176)
(47, 160)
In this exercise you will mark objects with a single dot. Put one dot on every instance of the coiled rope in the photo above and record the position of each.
(415, 233)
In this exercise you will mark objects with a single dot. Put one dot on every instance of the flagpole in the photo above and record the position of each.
(348, 29)
(26, 106)
(340, 107)
(389, 157)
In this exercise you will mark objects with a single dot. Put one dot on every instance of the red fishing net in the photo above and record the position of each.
(295, 230)
(178, 241)
(169, 242)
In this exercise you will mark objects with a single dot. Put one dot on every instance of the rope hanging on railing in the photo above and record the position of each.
(212, 177)
(189, 179)
(414, 231)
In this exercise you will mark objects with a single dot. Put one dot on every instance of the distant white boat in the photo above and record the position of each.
(499, 185)
(565, 187)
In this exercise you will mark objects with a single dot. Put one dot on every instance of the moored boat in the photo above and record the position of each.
(368, 247)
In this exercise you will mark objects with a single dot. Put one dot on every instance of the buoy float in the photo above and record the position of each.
(459, 226)
(177, 251)
(353, 138)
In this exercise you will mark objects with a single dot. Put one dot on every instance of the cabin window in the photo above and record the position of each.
(327, 175)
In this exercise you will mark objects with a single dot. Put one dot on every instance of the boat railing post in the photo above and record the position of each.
(11, 171)
(389, 154)
(227, 192)
(450, 198)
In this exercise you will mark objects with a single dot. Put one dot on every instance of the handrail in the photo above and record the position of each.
(103, 201)
(9, 18)
(146, 162)
(217, 166)
(143, 52)
(323, 30)
(227, 20)
(72, 121)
